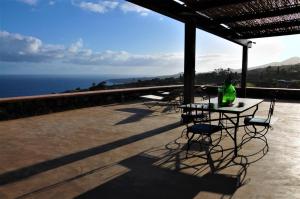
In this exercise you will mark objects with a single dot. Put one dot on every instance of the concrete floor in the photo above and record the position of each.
(129, 151)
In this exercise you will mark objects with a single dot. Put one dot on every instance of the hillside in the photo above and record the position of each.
(287, 62)
(136, 79)
(283, 74)
(276, 76)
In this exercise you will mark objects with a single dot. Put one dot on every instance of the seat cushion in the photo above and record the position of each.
(204, 129)
(256, 121)
(187, 118)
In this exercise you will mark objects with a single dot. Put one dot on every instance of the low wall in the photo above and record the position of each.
(17, 107)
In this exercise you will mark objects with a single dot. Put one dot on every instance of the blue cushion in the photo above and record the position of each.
(187, 118)
(257, 121)
(204, 128)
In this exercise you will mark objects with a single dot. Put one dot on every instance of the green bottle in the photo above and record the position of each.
(229, 94)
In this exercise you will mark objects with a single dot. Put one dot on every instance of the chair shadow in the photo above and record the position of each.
(159, 173)
(145, 180)
(25, 172)
(138, 114)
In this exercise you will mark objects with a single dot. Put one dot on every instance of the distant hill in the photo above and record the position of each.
(275, 75)
(285, 74)
(135, 79)
(287, 62)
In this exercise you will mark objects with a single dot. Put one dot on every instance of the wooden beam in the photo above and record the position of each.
(259, 15)
(189, 61)
(244, 71)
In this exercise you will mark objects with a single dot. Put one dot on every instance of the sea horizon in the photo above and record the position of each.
(14, 85)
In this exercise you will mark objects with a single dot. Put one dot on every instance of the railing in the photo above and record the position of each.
(17, 107)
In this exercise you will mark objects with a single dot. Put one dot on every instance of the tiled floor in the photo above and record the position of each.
(129, 151)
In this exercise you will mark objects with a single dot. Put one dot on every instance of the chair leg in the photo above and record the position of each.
(256, 133)
(188, 143)
(183, 131)
(249, 135)
(209, 150)
(213, 146)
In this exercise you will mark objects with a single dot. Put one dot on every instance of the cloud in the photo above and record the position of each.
(123, 58)
(76, 46)
(266, 50)
(100, 7)
(51, 3)
(103, 6)
(209, 62)
(130, 7)
(29, 2)
(19, 48)
(16, 48)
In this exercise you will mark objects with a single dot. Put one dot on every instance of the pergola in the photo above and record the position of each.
(234, 20)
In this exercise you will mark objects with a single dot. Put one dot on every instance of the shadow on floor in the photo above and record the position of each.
(138, 114)
(157, 173)
(25, 172)
(147, 181)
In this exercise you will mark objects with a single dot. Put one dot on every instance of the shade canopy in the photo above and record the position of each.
(234, 20)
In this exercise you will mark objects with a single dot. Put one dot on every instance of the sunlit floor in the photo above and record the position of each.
(129, 151)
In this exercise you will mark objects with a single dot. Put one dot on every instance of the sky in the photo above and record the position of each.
(114, 37)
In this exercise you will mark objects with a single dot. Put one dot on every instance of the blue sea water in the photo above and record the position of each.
(27, 85)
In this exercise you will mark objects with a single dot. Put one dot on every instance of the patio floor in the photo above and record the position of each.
(129, 151)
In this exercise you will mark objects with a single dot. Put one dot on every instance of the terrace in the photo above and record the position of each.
(125, 150)
(128, 151)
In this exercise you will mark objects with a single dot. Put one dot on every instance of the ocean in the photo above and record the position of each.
(27, 85)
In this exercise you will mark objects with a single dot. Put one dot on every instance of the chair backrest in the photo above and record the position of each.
(207, 109)
(272, 104)
(202, 92)
(187, 115)
(190, 112)
(271, 109)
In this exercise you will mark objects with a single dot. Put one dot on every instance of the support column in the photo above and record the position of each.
(189, 61)
(244, 71)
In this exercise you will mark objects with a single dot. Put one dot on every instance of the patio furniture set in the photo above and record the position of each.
(198, 120)
(200, 124)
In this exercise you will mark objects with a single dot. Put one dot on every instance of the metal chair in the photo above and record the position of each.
(257, 122)
(193, 115)
(204, 130)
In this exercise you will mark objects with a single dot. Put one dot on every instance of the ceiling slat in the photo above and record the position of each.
(259, 15)
(270, 34)
(277, 25)
(209, 4)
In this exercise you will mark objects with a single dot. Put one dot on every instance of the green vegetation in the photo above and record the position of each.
(216, 77)
(287, 76)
